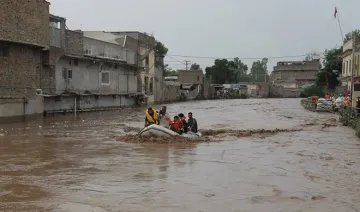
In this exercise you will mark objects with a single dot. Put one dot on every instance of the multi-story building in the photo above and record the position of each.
(88, 73)
(295, 74)
(150, 75)
(24, 39)
(347, 64)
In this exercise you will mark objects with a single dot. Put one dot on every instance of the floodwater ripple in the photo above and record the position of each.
(268, 155)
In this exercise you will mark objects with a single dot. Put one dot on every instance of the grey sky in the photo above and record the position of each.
(220, 28)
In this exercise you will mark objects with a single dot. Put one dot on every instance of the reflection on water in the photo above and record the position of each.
(65, 163)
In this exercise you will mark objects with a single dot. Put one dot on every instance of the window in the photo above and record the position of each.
(76, 62)
(51, 72)
(105, 78)
(146, 83)
(64, 73)
(356, 87)
(350, 67)
(343, 68)
(147, 60)
(69, 74)
(198, 78)
(4, 51)
(151, 89)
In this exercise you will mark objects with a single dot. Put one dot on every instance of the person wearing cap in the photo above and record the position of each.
(193, 126)
(151, 117)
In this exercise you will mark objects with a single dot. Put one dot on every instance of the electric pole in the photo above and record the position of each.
(186, 63)
(353, 68)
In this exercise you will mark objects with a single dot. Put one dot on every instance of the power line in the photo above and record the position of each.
(175, 59)
(241, 58)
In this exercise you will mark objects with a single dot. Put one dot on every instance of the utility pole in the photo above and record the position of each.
(186, 63)
(353, 68)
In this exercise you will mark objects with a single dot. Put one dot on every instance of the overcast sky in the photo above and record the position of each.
(220, 28)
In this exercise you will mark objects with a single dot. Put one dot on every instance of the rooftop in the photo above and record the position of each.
(54, 18)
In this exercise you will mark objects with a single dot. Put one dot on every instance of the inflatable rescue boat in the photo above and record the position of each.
(160, 131)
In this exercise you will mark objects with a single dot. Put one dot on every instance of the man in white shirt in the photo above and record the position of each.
(164, 117)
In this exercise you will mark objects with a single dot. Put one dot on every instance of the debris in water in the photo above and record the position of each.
(318, 197)
(326, 157)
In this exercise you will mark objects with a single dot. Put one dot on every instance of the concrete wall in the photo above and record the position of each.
(25, 21)
(171, 91)
(89, 102)
(191, 76)
(281, 92)
(86, 76)
(99, 47)
(10, 107)
(20, 71)
(55, 37)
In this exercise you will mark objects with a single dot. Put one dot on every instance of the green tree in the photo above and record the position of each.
(258, 71)
(240, 71)
(168, 71)
(195, 66)
(350, 35)
(313, 90)
(328, 76)
(160, 53)
(224, 71)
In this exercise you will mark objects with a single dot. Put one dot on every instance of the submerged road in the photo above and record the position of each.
(74, 164)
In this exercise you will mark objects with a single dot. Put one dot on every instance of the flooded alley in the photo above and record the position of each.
(65, 164)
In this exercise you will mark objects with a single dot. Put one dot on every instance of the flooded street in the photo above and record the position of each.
(66, 164)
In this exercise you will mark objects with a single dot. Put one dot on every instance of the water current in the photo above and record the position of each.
(81, 164)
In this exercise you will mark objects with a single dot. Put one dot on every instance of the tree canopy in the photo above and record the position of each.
(195, 66)
(328, 75)
(234, 71)
(350, 35)
(258, 71)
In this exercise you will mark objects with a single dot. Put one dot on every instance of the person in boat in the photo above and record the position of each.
(151, 117)
(177, 125)
(185, 124)
(164, 117)
(192, 123)
(327, 96)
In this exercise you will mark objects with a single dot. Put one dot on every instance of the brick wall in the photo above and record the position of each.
(296, 75)
(20, 71)
(74, 42)
(25, 21)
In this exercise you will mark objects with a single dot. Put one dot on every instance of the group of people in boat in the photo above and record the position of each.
(179, 124)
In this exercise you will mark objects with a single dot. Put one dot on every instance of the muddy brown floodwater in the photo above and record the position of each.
(311, 163)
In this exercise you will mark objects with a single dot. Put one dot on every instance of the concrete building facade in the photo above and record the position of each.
(91, 74)
(347, 64)
(150, 76)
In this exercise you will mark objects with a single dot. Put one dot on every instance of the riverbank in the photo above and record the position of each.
(349, 116)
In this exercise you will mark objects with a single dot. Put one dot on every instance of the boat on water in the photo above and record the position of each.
(160, 131)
